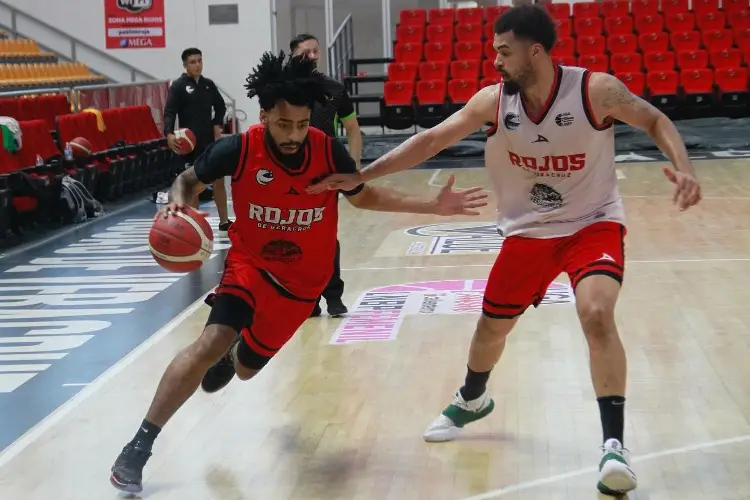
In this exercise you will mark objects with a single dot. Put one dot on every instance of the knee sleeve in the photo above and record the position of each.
(250, 359)
(231, 311)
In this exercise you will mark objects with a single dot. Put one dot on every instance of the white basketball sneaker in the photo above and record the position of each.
(459, 413)
(615, 475)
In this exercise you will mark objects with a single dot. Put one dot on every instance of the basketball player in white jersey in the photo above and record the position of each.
(550, 156)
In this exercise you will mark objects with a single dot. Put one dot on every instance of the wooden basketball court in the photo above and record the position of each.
(339, 413)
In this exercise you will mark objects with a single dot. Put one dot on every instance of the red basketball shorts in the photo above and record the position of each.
(525, 267)
(250, 300)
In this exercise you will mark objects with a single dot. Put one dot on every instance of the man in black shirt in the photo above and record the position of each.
(327, 118)
(192, 98)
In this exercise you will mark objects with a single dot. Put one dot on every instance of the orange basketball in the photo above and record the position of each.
(81, 147)
(181, 242)
(185, 140)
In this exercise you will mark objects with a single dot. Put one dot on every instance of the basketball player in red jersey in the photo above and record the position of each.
(550, 157)
(283, 241)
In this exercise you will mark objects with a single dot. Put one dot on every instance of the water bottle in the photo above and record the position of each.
(68, 152)
(39, 161)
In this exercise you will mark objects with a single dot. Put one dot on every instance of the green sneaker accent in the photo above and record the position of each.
(612, 455)
(461, 417)
(606, 491)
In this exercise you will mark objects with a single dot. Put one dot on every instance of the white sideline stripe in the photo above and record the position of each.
(66, 408)
(433, 179)
(590, 470)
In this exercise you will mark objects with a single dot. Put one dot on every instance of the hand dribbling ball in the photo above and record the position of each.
(182, 241)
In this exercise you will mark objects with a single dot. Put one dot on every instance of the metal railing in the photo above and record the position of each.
(341, 49)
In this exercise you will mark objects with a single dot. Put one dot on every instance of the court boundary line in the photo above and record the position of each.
(527, 485)
(451, 266)
(58, 414)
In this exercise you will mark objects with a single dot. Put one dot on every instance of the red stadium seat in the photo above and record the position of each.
(698, 86)
(649, 23)
(659, 61)
(611, 8)
(692, 59)
(438, 52)
(489, 69)
(413, 17)
(728, 58)
(588, 26)
(469, 50)
(619, 25)
(710, 21)
(489, 50)
(398, 109)
(662, 88)
(466, 70)
(408, 52)
(469, 32)
(701, 6)
(635, 81)
(491, 13)
(739, 20)
(626, 62)
(564, 27)
(442, 16)
(622, 43)
(565, 46)
(399, 71)
(734, 6)
(674, 6)
(645, 7)
(489, 81)
(731, 88)
(594, 62)
(460, 91)
(718, 39)
(686, 40)
(410, 34)
(558, 10)
(742, 38)
(433, 70)
(565, 60)
(440, 33)
(680, 22)
(653, 42)
(473, 15)
(586, 9)
(590, 45)
(431, 106)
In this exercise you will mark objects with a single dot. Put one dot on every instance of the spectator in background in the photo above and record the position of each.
(327, 118)
(197, 103)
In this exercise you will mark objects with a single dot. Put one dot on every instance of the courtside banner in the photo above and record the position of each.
(134, 24)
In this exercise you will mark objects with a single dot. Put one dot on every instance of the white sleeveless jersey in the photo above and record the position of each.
(555, 174)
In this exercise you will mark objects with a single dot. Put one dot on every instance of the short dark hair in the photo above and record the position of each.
(529, 22)
(294, 80)
(300, 39)
(192, 51)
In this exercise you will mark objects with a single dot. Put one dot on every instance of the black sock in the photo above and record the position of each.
(612, 412)
(475, 384)
(146, 435)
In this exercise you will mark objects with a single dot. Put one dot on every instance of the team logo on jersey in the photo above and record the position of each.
(285, 219)
(551, 165)
(264, 177)
(512, 121)
(539, 138)
(564, 119)
(545, 196)
(284, 251)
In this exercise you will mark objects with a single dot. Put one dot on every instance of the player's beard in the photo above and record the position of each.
(514, 85)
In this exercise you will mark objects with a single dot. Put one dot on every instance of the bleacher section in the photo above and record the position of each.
(688, 62)
(24, 66)
(128, 154)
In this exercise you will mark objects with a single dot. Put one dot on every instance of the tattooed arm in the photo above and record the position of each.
(611, 100)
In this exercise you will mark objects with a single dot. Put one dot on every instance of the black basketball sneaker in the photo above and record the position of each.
(127, 472)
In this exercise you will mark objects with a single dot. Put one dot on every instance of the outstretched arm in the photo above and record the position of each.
(612, 100)
(481, 109)
(383, 199)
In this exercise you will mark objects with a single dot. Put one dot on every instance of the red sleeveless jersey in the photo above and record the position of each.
(279, 227)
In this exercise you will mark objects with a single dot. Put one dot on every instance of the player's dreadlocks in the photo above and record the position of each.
(294, 80)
